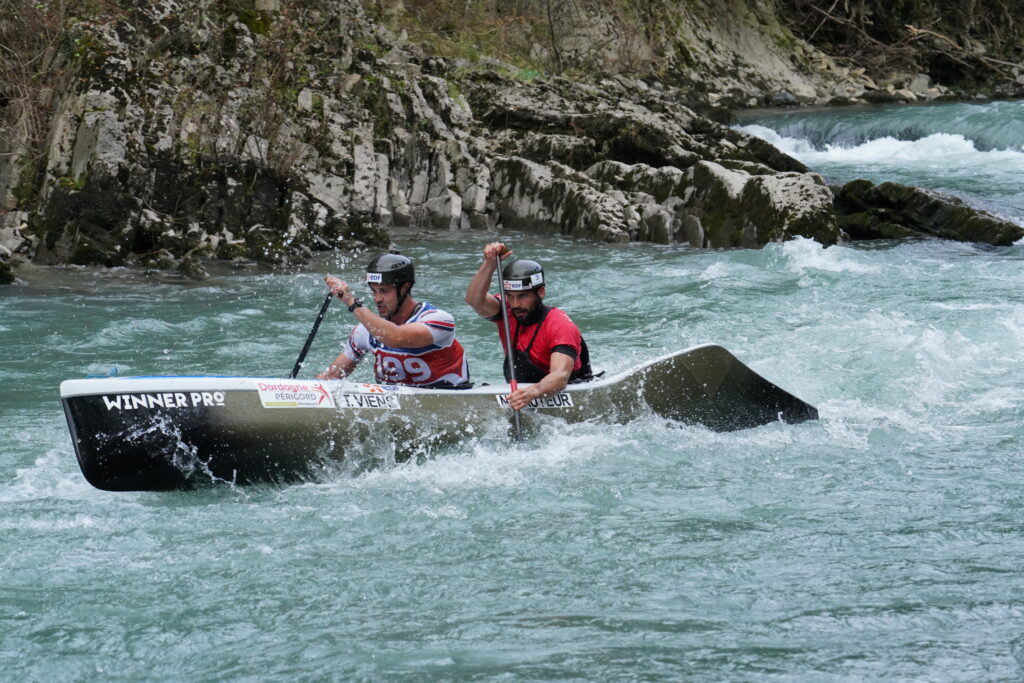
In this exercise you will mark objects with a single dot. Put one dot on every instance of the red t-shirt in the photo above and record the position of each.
(557, 329)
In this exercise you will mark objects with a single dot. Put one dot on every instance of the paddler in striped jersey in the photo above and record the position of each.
(547, 347)
(413, 342)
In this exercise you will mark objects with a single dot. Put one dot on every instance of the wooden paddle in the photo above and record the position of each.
(518, 432)
(309, 340)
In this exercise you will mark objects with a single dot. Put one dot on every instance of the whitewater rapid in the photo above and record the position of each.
(974, 151)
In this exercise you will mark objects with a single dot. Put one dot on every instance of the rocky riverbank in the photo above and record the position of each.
(179, 133)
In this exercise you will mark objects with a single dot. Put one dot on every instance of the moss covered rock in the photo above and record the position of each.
(890, 210)
(549, 199)
(83, 226)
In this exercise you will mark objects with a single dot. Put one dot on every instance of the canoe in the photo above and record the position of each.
(164, 433)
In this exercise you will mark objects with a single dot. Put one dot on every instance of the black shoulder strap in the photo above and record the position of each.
(585, 373)
(536, 330)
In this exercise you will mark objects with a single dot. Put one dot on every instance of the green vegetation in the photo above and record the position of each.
(70, 183)
(527, 75)
(25, 191)
(473, 31)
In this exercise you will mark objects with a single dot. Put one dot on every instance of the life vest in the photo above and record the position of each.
(529, 372)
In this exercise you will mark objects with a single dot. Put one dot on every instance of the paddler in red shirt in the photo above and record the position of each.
(548, 349)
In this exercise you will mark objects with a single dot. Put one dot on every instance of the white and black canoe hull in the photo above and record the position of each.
(161, 433)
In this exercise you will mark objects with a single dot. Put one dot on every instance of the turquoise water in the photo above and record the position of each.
(883, 541)
(972, 150)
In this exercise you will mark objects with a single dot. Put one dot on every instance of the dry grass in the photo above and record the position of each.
(553, 36)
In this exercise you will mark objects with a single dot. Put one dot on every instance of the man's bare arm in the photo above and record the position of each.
(477, 295)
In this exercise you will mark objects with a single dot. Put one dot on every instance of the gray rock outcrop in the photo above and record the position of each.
(185, 131)
(891, 211)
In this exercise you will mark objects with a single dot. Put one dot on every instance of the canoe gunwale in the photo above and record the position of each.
(95, 386)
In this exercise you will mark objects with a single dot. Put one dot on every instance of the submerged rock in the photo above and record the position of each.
(191, 268)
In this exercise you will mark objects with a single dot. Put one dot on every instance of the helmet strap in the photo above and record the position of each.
(402, 295)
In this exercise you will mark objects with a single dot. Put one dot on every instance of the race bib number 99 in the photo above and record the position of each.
(402, 370)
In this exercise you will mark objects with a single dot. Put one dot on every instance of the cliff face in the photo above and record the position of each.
(181, 131)
(733, 52)
(742, 53)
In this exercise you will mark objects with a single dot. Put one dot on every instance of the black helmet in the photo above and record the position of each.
(522, 275)
(390, 269)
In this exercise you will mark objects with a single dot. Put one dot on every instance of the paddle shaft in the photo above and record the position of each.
(309, 340)
(508, 347)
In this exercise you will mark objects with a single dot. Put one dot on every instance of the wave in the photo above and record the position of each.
(937, 148)
(805, 254)
(987, 126)
(986, 177)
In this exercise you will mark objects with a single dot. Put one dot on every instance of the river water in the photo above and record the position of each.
(884, 541)
(973, 150)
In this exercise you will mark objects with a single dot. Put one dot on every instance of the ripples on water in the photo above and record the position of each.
(881, 542)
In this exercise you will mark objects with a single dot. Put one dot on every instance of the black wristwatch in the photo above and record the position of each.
(356, 303)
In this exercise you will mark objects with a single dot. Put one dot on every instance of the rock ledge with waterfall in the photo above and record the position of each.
(179, 133)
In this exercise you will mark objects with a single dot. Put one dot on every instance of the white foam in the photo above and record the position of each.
(943, 306)
(48, 477)
(492, 462)
(994, 401)
(945, 162)
(443, 512)
(718, 269)
(49, 525)
(806, 254)
(793, 146)
(851, 422)
(1014, 324)
(930, 148)
(933, 150)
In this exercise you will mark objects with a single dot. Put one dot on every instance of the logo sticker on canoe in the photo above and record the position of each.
(373, 400)
(294, 394)
(563, 400)
(173, 399)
